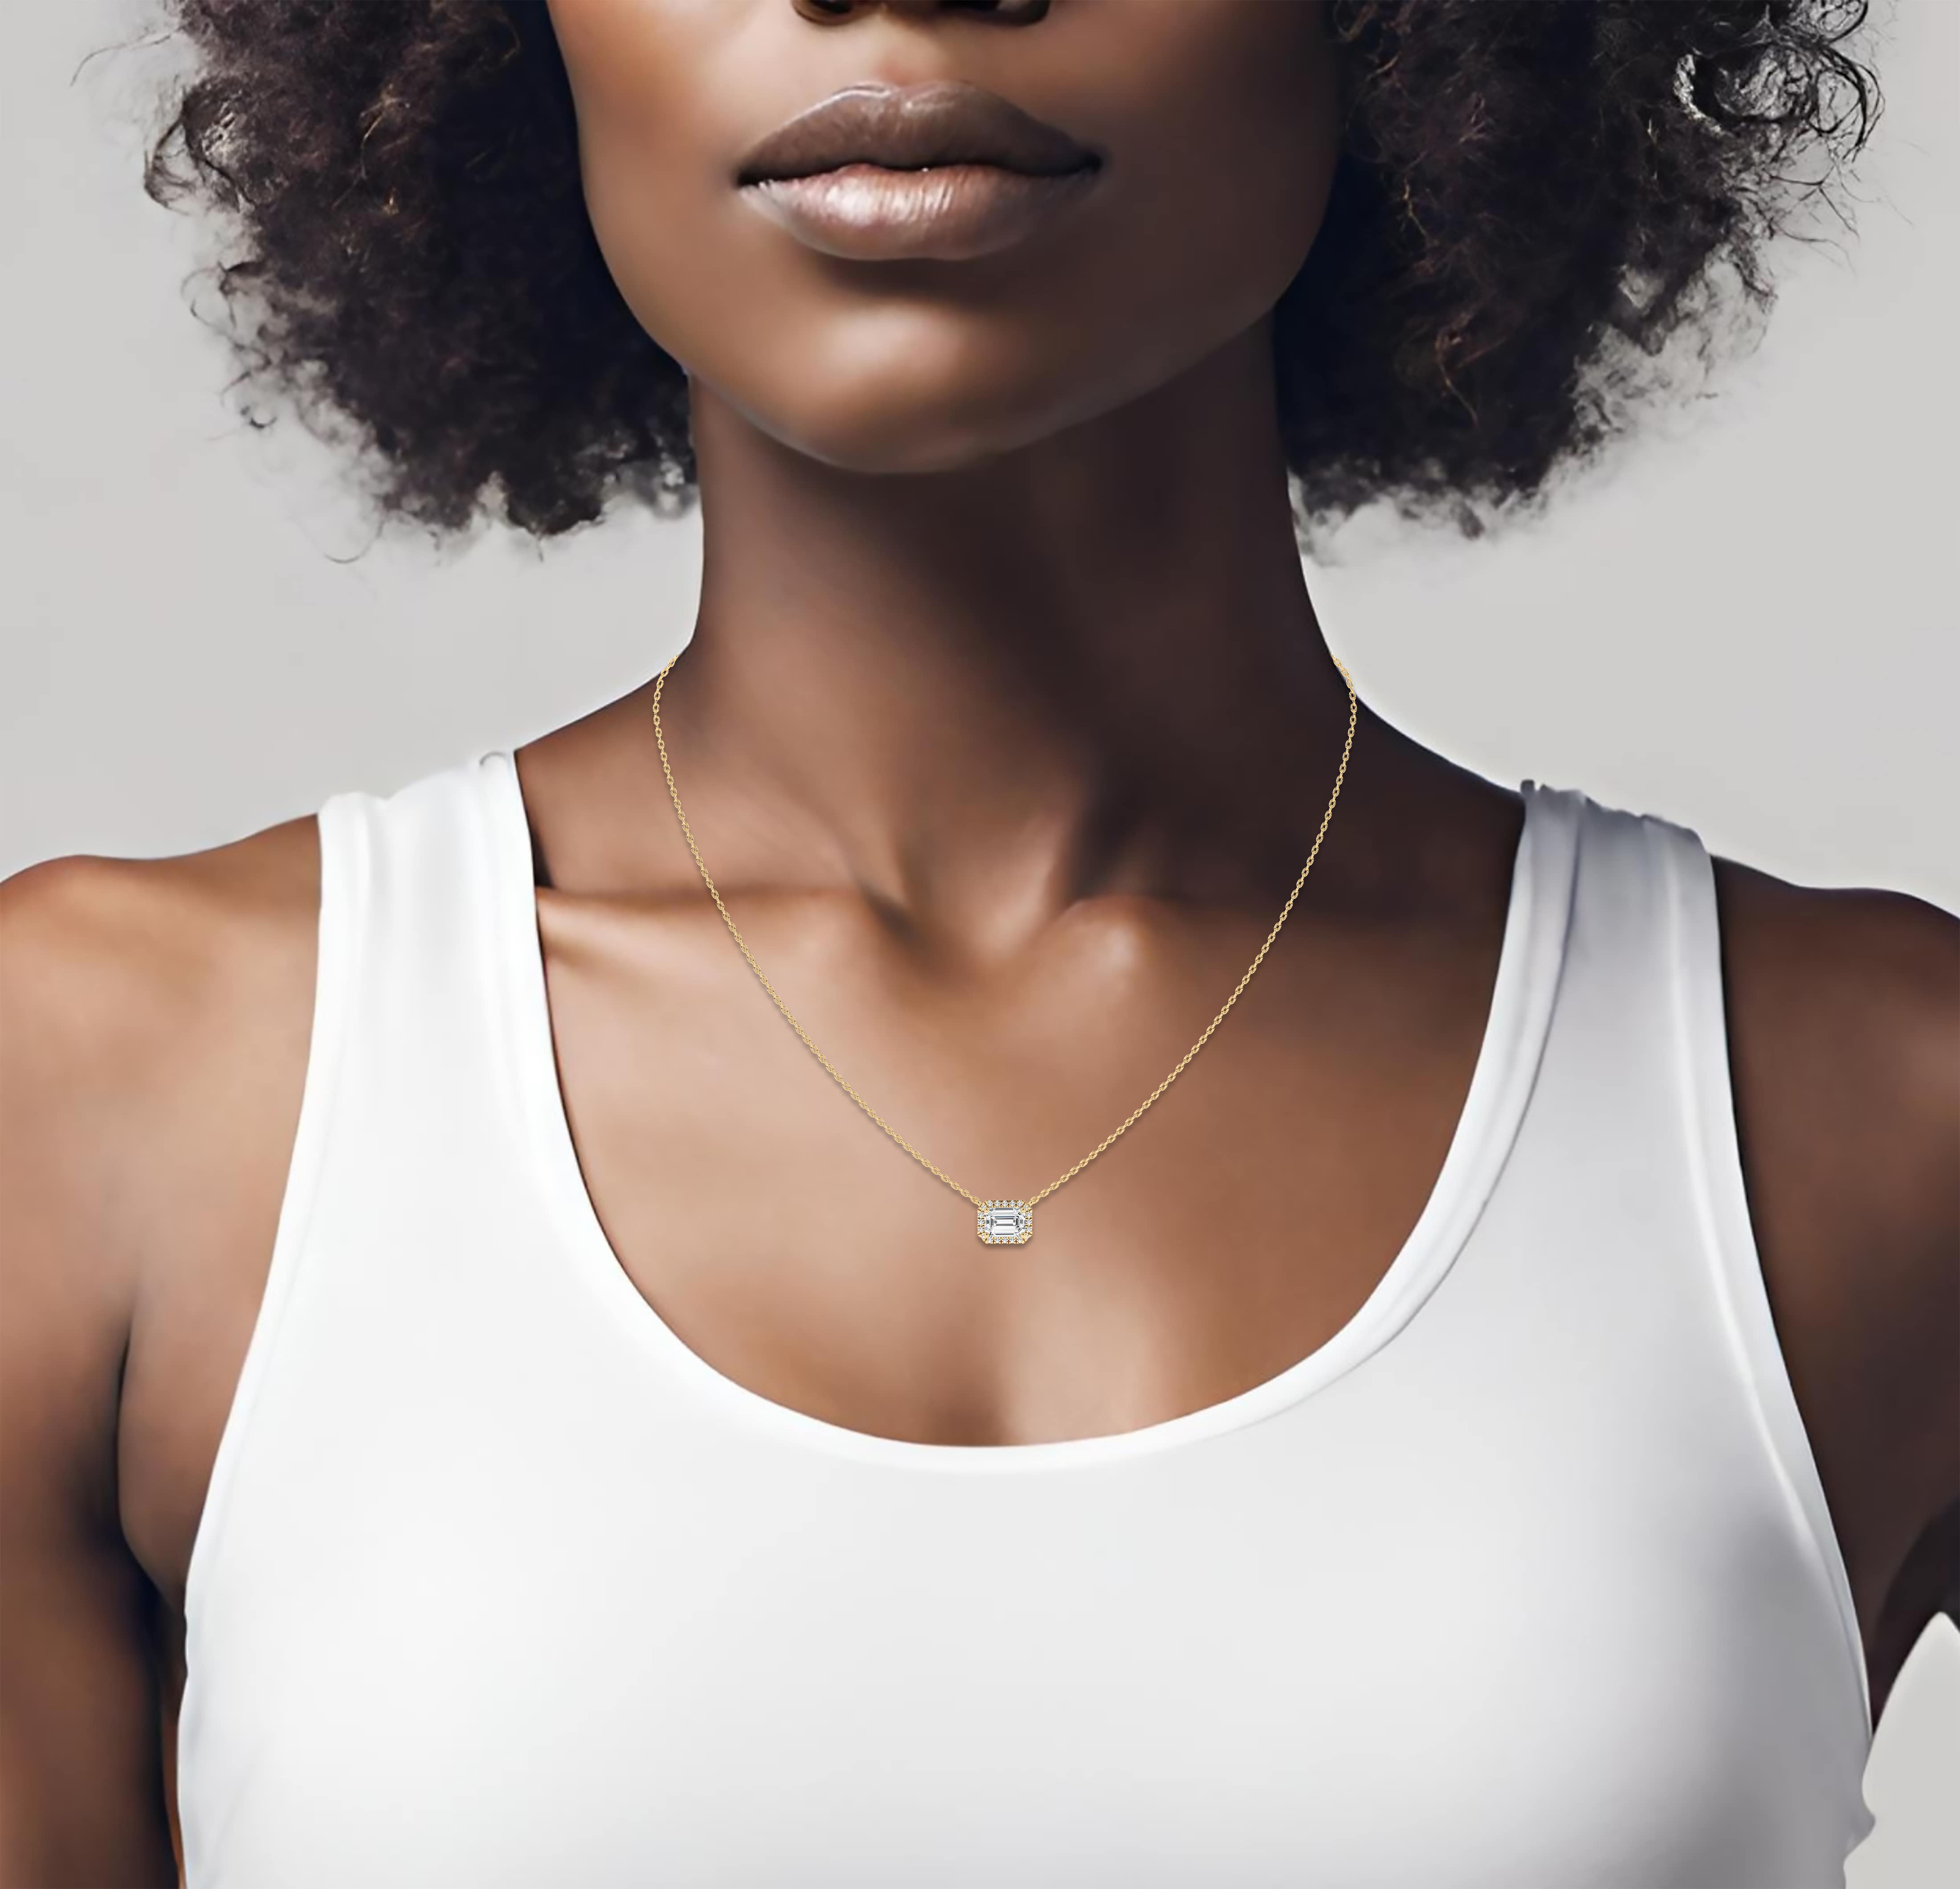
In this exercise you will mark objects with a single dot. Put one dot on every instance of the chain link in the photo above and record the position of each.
(1032, 1200)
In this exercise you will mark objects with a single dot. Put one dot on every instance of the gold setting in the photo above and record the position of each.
(1006, 1223)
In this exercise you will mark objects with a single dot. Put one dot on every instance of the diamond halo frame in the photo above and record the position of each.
(1006, 1223)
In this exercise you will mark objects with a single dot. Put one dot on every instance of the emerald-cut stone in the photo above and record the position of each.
(1006, 1222)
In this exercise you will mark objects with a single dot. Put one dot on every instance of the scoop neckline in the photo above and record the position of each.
(1516, 1028)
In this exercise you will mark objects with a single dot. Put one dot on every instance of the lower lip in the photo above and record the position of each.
(951, 212)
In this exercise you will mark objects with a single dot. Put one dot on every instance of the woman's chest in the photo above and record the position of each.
(1359, 1650)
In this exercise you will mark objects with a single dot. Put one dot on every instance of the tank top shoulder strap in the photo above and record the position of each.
(1639, 1087)
(402, 1102)
(1714, 1154)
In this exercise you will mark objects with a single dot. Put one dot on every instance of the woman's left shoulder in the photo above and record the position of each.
(1843, 1021)
(1850, 1000)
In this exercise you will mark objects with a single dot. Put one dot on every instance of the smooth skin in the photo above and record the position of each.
(1006, 726)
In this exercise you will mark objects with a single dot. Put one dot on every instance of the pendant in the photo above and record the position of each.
(1006, 1223)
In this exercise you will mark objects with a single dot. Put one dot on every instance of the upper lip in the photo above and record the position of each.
(905, 127)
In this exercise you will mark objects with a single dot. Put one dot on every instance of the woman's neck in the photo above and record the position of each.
(1089, 663)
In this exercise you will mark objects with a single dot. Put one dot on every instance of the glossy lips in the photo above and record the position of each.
(947, 170)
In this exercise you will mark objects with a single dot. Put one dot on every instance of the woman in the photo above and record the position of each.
(1488, 1422)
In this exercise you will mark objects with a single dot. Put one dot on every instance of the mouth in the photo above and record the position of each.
(946, 169)
(911, 128)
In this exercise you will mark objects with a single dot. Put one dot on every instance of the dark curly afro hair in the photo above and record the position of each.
(1532, 197)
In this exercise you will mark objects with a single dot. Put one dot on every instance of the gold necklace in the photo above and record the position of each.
(1005, 1222)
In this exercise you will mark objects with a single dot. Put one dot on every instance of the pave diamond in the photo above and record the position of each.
(1006, 1222)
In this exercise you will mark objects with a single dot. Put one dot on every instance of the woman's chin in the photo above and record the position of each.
(909, 433)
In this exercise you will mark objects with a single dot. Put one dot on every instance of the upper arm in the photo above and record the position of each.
(80, 1794)
(1844, 1036)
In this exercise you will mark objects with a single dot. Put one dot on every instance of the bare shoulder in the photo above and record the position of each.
(103, 949)
(151, 1012)
(129, 990)
(154, 1019)
(125, 985)
(1844, 1013)
(1850, 1000)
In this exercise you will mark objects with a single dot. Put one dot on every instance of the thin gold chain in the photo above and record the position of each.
(1033, 1199)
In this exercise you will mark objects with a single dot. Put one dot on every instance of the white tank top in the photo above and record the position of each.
(1524, 1579)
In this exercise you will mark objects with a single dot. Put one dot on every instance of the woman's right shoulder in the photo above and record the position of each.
(153, 1023)
(107, 964)
(146, 1005)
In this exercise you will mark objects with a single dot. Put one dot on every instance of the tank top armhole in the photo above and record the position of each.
(1722, 1204)
(343, 878)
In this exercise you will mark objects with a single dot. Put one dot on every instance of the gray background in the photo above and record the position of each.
(1743, 621)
